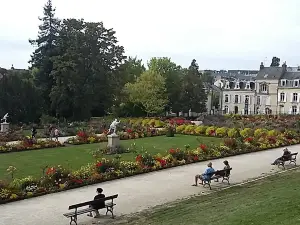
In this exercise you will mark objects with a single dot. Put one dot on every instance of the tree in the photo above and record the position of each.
(84, 71)
(275, 61)
(193, 95)
(128, 72)
(173, 77)
(19, 97)
(149, 92)
(45, 49)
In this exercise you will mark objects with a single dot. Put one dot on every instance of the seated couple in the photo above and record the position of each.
(209, 172)
(286, 156)
(99, 205)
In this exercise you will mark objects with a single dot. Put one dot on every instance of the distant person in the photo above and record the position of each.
(227, 166)
(99, 205)
(286, 156)
(206, 176)
(50, 131)
(223, 173)
(33, 133)
(56, 134)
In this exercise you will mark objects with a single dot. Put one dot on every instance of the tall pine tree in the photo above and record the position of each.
(193, 96)
(45, 45)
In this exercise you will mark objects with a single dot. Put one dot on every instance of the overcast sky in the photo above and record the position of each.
(219, 34)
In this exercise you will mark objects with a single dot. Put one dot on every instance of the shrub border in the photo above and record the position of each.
(141, 173)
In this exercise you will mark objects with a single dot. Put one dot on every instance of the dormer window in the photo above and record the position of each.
(227, 85)
(237, 85)
(283, 83)
(247, 85)
(296, 83)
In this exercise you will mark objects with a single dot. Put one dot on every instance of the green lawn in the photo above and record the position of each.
(73, 157)
(272, 201)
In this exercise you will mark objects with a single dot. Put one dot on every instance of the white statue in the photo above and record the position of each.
(113, 126)
(5, 118)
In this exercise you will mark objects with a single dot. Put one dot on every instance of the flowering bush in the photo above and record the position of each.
(28, 144)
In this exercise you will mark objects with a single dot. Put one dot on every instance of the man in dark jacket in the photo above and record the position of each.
(99, 204)
(286, 156)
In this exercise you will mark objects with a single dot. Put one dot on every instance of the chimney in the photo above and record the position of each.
(284, 66)
(261, 66)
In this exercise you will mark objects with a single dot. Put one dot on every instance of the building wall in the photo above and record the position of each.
(269, 98)
(288, 100)
(237, 104)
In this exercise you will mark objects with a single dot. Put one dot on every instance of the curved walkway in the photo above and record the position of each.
(136, 193)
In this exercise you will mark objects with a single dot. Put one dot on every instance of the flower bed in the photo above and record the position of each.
(83, 137)
(57, 178)
(28, 144)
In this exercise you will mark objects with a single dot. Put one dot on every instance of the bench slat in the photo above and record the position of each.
(79, 212)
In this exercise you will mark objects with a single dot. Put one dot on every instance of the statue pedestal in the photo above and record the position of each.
(4, 127)
(113, 142)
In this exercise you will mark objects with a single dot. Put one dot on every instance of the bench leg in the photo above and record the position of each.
(111, 210)
(226, 179)
(73, 219)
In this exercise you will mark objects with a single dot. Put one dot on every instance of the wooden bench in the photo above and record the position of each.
(292, 158)
(224, 174)
(108, 205)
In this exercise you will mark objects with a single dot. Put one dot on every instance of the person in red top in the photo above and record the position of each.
(99, 205)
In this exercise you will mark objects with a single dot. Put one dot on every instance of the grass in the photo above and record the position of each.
(73, 157)
(273, 200)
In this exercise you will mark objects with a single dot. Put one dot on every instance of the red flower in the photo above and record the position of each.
(99, 164)
(50, 171)
(129, 131)
(172, 151)
(139, 158)
(249, 139)
(203, 147)
(212, 132)
(196, 158)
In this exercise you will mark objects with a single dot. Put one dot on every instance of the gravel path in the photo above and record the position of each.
(136, 193)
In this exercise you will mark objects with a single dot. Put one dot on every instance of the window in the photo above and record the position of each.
(258, 100)
(263, 88)
(247, 86)
(283, 83)
(282, 97)
(227, 85)
(295, 97)
(226, 109)
(237, 85)
(294, 109)
(236, 99)
(296, 83)
(226, 98)
(247, 99)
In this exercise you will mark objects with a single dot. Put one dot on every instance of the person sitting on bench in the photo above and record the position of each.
(99, 205)
(226, 167)
(208, 173)
(284, 157)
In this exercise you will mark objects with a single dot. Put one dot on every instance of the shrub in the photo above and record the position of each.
(221, 131)
(210, 131)
(260, 132)
(247, 132)
(230, 142)
(273, 133)
(233, 133)
(180, 128)
(189, 128)
(200, 129)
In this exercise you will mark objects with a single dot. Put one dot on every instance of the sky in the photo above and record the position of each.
(219, 34)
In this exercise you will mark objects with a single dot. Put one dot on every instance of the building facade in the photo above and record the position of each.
(274, 90)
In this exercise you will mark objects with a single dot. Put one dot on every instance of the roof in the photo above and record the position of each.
(291, 75)
(270, 73)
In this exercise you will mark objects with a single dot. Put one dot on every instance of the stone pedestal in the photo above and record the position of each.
(4, 127)
(113, 142)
